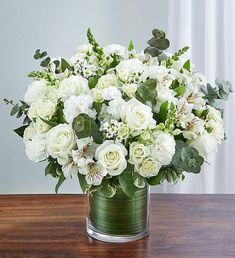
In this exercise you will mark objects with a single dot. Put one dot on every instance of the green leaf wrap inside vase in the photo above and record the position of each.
(120, 215)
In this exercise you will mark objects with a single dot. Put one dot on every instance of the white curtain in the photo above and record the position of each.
(207, 26)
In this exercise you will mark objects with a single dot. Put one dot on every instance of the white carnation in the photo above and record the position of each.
(77, 105)
(36, 90)
(73, 86)
(107, 80)
(36, 148)
(163, 148)
(115, 106)
(112, 157)
(111, 93)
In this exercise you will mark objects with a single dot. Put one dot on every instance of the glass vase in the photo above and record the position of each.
(120, 218)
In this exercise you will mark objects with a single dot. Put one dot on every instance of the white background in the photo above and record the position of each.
(58, 26)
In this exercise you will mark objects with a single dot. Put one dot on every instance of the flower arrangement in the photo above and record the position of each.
(114, 117)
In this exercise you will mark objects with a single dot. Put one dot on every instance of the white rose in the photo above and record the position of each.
(215, 115)
(129, 69)
(217, 129)
(60, 140)
(130, 89)
(115, 106)
(97, 95)
(149, 167)
(42, 108)
(73, 86)
(114, 49)
(36, 90)
(36, 148)
(112, 157)
(41, 127)
(205, 144)
(138, 152)
(29, 132)
(163, 147)
(123, 132)
(111, 93)
(77, 105)
(137, 115)
(107, 80)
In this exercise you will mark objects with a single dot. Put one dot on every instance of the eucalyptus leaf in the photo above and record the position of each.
(20, 130)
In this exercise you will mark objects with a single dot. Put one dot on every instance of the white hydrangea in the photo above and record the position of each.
(77, 105)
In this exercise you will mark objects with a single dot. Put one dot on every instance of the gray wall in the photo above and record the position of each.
(58, 27)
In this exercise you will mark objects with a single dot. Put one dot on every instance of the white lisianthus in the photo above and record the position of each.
(29, 132)
(41, 127)
(107, 80)
(217, 129)
(111, 93)
(137, 115)
(112, 157)
(115, 106)
(215, 115)
(129, 69)
(149, 167)
(138, 152)
(205, 144)
(130, 89)
(36, 148)
(77, 105)
(36, 90)
(73, 86)
(114, 49)
(60, 140)
(163, 147)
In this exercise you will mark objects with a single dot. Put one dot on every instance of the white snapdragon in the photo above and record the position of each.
(137, 115)
(112, 157)
(36, 90)
(60, 140)
(73, 86)
(36, 148)
(77, 105)
(163, 147)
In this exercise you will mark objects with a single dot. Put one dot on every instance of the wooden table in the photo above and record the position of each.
(54, 226)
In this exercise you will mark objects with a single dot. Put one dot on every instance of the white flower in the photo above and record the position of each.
(86, 48)
(60, 140)
(36, 90)
(138, 152)
(114, 49)
(123, 132)
(94, 172)
(107, 80)
(36, 148)
(198, 79)
(195, 97)
(149, 167)
(163, 94)
(42, 108)
(115, 106)
(73, 86)
(77, 105)
(112, 157)
(128, 70)
(215, 115)
(69, 168)
(137, 115)
(205, 144)
(41, 127)
(163, 147)
(194, 128)
(29, 132)
(97, 95)
(184, 112)
(217, 129)
(111, 93)
(130, 89)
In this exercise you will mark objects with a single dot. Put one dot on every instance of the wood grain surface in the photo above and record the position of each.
(54, 226)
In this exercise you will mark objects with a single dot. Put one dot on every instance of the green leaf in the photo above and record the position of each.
(65, 65)
(107, 190)
(45, 62)
(147, 91)
(162, 115)
(187, 65)
(162, 43)
(156, 180)
(158, 33)
(180, 90)
(49, 122)
(126, 181)
(92, 81)
(97, 106)
(152, 51)
(83, 183)
(138, 180)
(60, 181)
(130, 46)
(20, 130)
(14, 110)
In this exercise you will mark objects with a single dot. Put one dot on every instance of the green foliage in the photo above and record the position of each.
(138, 180)
(178, 88)
(157, 44)
(43, 75)
(92, 81)
(126, 181)
(59, 183)
(83, 183)
(53, 168)
(85, 126)
(187, 65)
(39, 55)
(176, 56)
(97, 106)
(130, 46)
(162, 115)
(20, 130)
(147, 91)
(95, 45)
(107, 189)
(65, 65)
(18, 109)
(158, 179)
